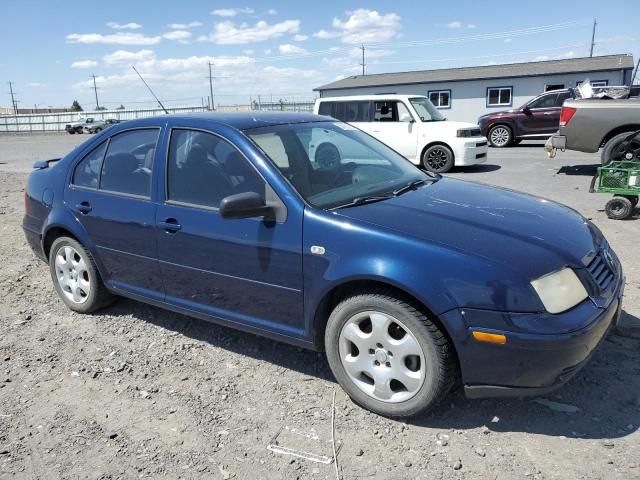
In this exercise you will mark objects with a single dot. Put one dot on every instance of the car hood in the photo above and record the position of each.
(502, 113)
(529, 235)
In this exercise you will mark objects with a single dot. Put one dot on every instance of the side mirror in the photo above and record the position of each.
(406, 118)
(244, 205)
(526, 110)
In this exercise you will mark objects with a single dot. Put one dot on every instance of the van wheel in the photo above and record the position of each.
(438, 159)
(500, 136)
(616, 150)
(387, 355)
(76, 278)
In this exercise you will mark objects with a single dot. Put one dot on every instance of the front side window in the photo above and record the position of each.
(499, 96)
(386, 111)
(546, 101)
(440, 98)
(425, 110)
(333, 164)
(87, 171)
(128, 162)
(203, 169)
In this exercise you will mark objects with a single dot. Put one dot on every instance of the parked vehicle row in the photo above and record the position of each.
(413, 127)
(307, 230)
(90, 125)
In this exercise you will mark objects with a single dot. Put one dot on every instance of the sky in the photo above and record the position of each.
(278, 49)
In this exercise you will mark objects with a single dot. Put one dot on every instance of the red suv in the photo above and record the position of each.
(538, 118)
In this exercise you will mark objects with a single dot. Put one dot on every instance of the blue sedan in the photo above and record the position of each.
(307, 230)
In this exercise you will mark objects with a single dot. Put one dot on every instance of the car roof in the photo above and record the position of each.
(238, 120)
(368, 97)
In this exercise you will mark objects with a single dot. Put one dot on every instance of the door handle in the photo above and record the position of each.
(170, 225)
(83, 207)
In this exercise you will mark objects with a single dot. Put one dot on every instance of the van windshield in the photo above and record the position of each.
(332, 164)
(425, 110)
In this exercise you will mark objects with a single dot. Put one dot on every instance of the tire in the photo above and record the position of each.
(612, 149)
(500, 136)
(71, 132)
(79, 130)
(619, 208)
(438, 159)
(76, 278)
(429, 374)
(97, 130)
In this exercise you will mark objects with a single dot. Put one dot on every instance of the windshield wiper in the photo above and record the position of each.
(365, 199)
(409, 186)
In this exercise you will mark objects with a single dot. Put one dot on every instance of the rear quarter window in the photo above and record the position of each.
(87, 171)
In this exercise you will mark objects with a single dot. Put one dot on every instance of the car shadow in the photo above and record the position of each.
(479, 168)
(602, 390)
(585, 170)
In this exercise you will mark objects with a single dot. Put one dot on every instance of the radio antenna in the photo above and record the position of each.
(147, 85)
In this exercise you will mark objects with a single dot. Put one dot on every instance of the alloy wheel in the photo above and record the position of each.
(437, 158)
(72, 274)
(500, 136)
(382, 357)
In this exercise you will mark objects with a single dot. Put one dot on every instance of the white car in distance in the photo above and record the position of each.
(412, 126)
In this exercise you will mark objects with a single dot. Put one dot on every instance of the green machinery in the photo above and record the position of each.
(620, 176)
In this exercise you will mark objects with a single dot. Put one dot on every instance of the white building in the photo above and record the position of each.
(468, 92)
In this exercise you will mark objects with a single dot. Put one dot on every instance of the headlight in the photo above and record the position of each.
(468, 132)
(559, 291)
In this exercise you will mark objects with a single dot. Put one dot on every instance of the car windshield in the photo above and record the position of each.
(332, 164)
(425, 110)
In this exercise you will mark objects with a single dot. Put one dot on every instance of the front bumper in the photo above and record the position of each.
(530, 363)
(554, 143)
(471, 152)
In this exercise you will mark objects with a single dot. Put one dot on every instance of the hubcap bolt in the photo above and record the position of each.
(379, 345)
(388, 364)
(390, 354)
(376, 362)
(371, 351)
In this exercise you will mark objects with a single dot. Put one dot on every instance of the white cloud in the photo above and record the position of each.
(288, 49)
(84, 64)
(371, 53)
(124, 26)
(540, 58)
(300, 38)
(363, 26)
(184, 26)
(272, 11)
(248, 52)
(36, 84)
(231, 12)
(177, 35)
(227, 33)
(126, 57)
(459, 24)
(508, 40)
(119, 38)
(267, 51)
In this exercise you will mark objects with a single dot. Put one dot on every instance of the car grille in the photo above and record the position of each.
(601, 268)
(481, 144)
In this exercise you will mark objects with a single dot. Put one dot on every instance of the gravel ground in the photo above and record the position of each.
(137, 392)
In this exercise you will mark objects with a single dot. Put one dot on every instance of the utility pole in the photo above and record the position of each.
(95, 90)
(593, 37)
(635, 72)
(362, 48)
(14, 104)
(211, 83)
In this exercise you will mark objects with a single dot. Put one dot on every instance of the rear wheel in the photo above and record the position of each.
(616, 149)
(97, 130)
(619, 208)
(500, 136)
(76, 278)
(387, 355)
(438, 159)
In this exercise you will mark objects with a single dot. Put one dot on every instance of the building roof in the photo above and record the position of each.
(507, 70)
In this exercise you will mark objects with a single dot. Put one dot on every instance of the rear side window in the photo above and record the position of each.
(348, 111)
(128, 162)
(87, 171)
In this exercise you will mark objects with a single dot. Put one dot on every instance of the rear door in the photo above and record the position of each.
(387, 127)
(110, 195)
(247, 271)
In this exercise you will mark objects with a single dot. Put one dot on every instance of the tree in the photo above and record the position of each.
(76, 107)
(121, 107)
(100, 108)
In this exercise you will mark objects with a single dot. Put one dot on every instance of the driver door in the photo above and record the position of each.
(393, 125)
(247, 271)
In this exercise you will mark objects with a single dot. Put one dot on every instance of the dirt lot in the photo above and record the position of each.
(138, 392)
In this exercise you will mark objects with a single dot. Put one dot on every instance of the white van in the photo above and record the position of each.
(412, 126)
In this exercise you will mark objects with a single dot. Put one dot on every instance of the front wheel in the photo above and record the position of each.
(388, 356)
(619, 208)
(76, 278)
(438, 159)
(500, 136)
